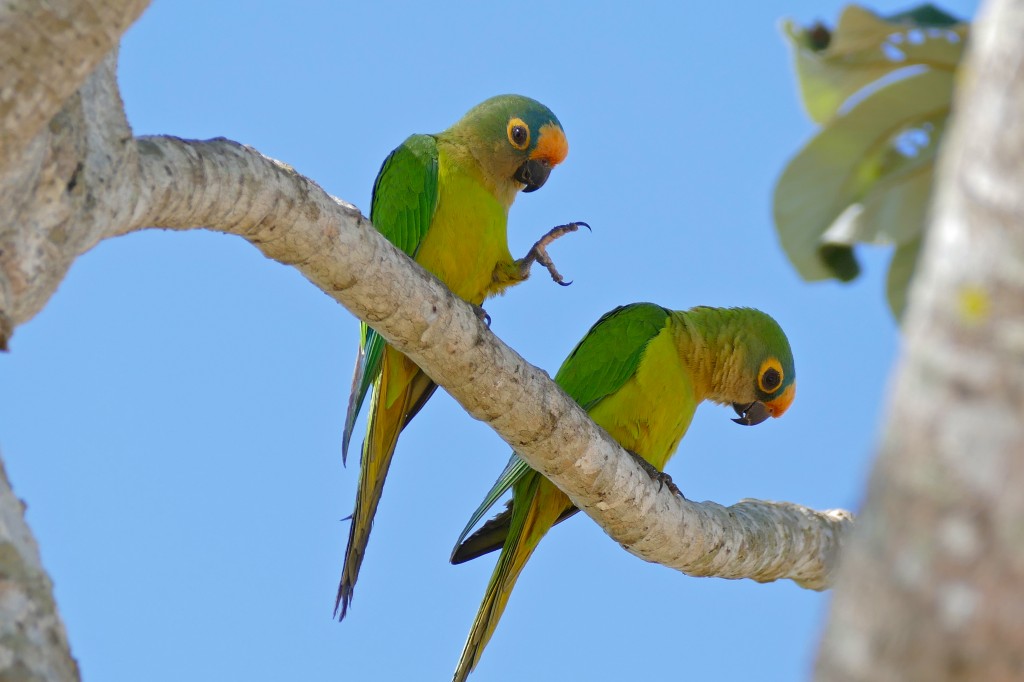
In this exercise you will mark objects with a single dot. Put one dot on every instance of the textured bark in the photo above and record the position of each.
(63, 193)
(933, 588)
(80, 177)
(46, 51)
(33, 644)
(47, 141)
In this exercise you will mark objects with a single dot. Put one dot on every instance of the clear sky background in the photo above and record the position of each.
(173, 417)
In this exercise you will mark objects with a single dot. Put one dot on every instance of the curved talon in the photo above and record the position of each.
(666, 480)
(539, 254)
(661, 477)
(482, 314)
(560, 230)
(663, 480)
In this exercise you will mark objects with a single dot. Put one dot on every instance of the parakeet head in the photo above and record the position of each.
(767, 371)
(516, 140)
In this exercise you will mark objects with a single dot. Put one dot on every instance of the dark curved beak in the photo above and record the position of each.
(751, 414)
(533, 173)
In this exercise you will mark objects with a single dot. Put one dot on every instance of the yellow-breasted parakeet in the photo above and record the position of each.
(640, 373)
(444, 199)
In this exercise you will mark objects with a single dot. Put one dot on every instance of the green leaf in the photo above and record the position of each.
(881, 86)
(901, 271)
(927, 15)
(895, 208)
(864, 48)
(847, 185)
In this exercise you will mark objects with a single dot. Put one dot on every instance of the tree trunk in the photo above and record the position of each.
(933, 586)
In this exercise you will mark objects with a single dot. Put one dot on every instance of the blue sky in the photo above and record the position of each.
(173, 417)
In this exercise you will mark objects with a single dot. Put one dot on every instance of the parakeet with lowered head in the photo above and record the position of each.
(640, 373)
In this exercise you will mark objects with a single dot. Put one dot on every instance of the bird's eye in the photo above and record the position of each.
(518, 133)
(770, 377)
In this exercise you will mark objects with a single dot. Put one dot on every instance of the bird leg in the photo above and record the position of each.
(539, 253)
(661, 477)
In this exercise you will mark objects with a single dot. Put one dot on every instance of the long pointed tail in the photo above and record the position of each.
(536, 506)
(401, 391)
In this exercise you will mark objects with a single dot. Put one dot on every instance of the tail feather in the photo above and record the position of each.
(365, 375)
(491, 536)
(385, 423)
(355, 401)
(419, 402)
(535, 507)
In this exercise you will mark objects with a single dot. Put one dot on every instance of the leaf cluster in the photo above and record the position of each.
(881, 89)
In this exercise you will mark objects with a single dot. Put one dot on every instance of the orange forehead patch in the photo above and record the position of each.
(551, 145)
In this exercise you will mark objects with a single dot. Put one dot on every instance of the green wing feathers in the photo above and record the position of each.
(494, 530)
(405, 193)
(371, 346)
(610, 352)
(403, 203)
(404, 200)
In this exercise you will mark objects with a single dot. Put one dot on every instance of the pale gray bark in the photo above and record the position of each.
(933, 587)
(83, 177)
(47, 51)
(33, 643)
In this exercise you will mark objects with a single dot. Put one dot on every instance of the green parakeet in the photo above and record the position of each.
(640, 373)
(443, 199)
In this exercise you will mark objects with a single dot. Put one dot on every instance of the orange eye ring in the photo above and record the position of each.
(770, 376)
(518, 133)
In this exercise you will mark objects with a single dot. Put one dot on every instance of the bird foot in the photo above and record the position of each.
(539, 253)
(481, 314)
(661, 477)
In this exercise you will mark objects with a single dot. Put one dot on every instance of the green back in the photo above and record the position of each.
(402, 207)
(610, 352)
(405, 193)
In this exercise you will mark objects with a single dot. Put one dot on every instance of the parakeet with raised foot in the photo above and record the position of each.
(444, 199)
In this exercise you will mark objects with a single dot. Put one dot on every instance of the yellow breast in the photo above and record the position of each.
(653, 409)
(468, 235)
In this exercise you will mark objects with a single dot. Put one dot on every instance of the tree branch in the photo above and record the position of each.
(933, 587)
(84, 178)
(290, 219)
